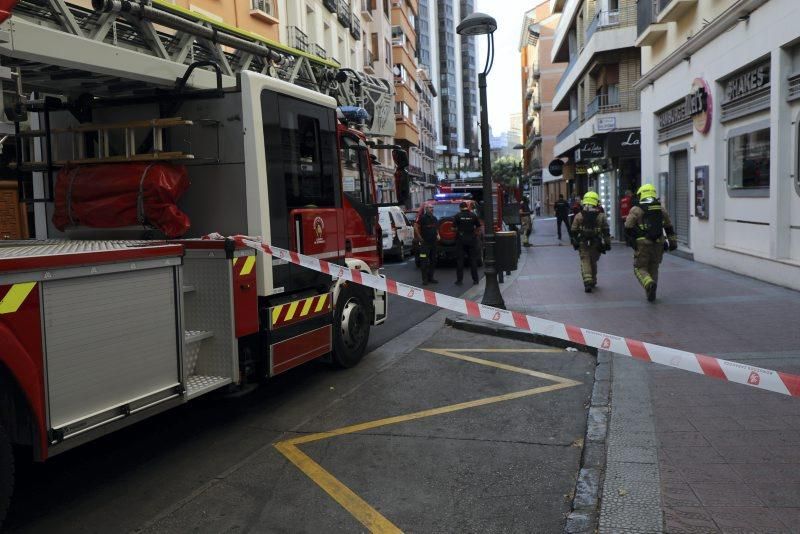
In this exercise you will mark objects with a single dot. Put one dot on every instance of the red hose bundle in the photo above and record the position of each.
(122, 194)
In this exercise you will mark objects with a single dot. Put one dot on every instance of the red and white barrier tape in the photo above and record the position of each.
(739, 373)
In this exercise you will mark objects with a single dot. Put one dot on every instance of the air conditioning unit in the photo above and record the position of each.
(264, 6)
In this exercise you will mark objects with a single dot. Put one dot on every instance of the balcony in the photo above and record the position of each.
(319, 51)
(648, 30)
(330, 5)
(369, 59)
(264, 10)
(297, 38)
(571, 127)
(343, 13)
(611, 102)
(610, 19)
(366, 11)
(673, 10)
(355, 28)
(572, 61)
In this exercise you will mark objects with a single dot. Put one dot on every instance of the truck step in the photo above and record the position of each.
(199, 384)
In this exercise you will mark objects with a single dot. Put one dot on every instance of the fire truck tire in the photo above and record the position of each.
(351, 326)
(6, 473)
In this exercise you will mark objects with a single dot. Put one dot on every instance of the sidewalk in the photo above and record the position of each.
(727, 456)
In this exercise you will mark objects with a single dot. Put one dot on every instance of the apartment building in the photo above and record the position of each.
(424, 155)
(442, 53)
(720, 93)
(596, 38)
(540, 123)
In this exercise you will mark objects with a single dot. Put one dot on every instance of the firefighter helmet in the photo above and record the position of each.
(591, 198)
(647, 191)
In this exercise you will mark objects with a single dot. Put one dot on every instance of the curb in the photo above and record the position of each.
(585, 513)
(499, 330)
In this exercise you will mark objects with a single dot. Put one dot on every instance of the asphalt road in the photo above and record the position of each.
(498, 465)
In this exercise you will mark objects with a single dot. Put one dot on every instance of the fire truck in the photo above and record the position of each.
(104, 324)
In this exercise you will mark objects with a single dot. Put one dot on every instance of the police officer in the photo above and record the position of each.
(590, 236)
(561, 208)
(467, 225)
(427, 233)
(644, 231)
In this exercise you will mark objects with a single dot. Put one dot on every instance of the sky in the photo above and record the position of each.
(503, 83)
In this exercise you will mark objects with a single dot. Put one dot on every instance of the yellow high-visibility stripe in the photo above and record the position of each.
(292, 309)
(321, 303)
(15, 297)
(306, 307)
(235, 260)
(276, 312)
(249, 263)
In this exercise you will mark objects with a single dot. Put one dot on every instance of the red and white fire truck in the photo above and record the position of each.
(97, 334)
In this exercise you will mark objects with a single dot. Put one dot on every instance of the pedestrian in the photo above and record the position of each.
(625, 205)
(561, 208)
(426, 229)
(467, 226)
(538, 208)
(644, 231)
(526, 222)
(590, 237)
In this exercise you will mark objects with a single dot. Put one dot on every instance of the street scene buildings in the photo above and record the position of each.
(233, 243)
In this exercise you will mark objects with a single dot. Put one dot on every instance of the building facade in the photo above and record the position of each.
(441, 53)
(540, 123)
(720, 113)
(596, 38)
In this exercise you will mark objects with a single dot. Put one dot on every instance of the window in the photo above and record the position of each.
(748, 162)
(355, 179)
(303, 164)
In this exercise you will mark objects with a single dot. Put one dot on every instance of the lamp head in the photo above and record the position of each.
(477, 24)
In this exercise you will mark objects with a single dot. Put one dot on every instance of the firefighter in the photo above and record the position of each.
(427, 233)
(525, 219)
(644, 231)
(467, 225)
(590, 236)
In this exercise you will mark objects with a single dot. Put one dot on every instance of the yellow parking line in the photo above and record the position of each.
(355, 505)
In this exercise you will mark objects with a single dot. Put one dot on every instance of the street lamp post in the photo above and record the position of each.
(483, 24)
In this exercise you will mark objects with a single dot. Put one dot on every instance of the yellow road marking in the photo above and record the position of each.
(15, 297)
(321, 303)
(276, 312)
(292, 309)
(357, 507)
(306, 307)
(248, 265)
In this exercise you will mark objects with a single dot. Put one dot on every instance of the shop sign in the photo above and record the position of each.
(590, 149)
(695, 106)
(745, 83)
(624, 143)
(556, 167)
(605, 124)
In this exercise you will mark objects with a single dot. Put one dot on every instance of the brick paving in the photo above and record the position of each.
(728, 455)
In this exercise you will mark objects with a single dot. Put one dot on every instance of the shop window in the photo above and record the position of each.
(748, 161)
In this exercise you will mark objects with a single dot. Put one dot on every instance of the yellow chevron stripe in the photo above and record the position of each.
(249, 263)
(235, 260)
(292, 309)
(276, 312)
(306, 307)
(15, 297)
(321, 303)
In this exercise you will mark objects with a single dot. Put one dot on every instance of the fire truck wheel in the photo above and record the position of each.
(6, 473)
(351, 326)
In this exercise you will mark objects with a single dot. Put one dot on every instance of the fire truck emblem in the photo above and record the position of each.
(496, 316)
(319, 231)
(606, 343)
(754, 379)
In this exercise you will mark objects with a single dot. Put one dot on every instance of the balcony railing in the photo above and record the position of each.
(646, 13)
(343, 14)
(297, 38)
(612, 19)
(571, 127)
(569, 68)
(319, 51)
(355, 28)
(330, 5)
(369, 58)
(611, 102)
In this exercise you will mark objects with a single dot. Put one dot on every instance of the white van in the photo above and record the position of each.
(398, 233)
